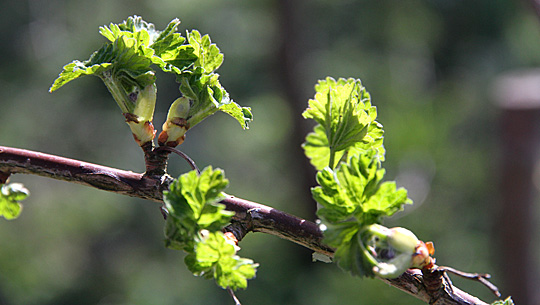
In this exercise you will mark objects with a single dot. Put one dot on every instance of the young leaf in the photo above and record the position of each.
(507, 301)
(127, 62)
(343, 110)
(208, 96)
(192, 202)
(10, 195)
(355, 189)
(124, 65)
(317, 148)
(194, 225)
(216, 258)
(209, 57)
(351, 256)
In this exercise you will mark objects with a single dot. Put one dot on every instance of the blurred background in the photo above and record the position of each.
(458, 137)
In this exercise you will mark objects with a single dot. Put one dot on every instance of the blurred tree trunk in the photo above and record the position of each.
(519, 100)
(293, 37)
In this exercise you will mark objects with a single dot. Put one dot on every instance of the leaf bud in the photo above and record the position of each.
(176, 125)
(140, 119)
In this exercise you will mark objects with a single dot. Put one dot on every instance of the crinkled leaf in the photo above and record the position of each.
(337, 234)
(10, 195)
(344, 111)
(97, 64)
(351, 256)
(317, 149)
(336, 204)
(171, 54)
(507, 301)
(387, 200)
(216, 258)
(121, 64)
(192, 202)
(209, 96)
(242, 114)
(133, 26)
(355, 188)
(124, 65)
(209, 57)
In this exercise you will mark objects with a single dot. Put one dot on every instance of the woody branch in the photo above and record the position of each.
(250, 216)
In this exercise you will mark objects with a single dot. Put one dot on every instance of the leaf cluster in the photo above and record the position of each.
(10, 197)
(194, 225)
(125, 65)
(351, 191)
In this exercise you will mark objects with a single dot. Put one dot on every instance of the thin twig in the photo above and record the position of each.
(231, 293)
(480, 277)
(181, 154)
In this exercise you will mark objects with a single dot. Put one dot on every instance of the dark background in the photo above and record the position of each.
(430, 67)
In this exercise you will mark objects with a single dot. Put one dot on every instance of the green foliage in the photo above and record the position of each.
(125, 66)
(194, 225)
(351, 192)
(355, 190)
(215, 257)
(10, 195)
(192, 202)
(200, 84)
(346, 122)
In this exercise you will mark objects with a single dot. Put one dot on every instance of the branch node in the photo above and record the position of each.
(155, 160)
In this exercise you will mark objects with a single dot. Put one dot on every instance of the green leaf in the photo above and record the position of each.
(128, 58)
(317, 149)
(125, 66)
(133, 26)
(97, 64)
(336, 204)
(192, 202)
(386, 201)
(214, 257)
(209, 96)
(352, 257)
(242, 114)
(194, 225)
(355, 189)
(343, 110)
(507, 301)
(209, 57)
(10, 195)
(171, 54)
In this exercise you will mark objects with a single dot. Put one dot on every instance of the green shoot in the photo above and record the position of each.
(346, 147)
(125, 67)
(10, 197)
(194, 225)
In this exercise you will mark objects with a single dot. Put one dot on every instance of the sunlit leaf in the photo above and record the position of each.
(192, 203)
(215, 257)
(346, 120)
(10, 197)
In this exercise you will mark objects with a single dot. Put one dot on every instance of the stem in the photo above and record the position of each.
(118, 92)
(233, 296)
(332, 158)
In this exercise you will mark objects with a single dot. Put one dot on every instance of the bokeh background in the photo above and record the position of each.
(430, 65)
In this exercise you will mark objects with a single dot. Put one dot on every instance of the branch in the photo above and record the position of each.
(431, 287)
